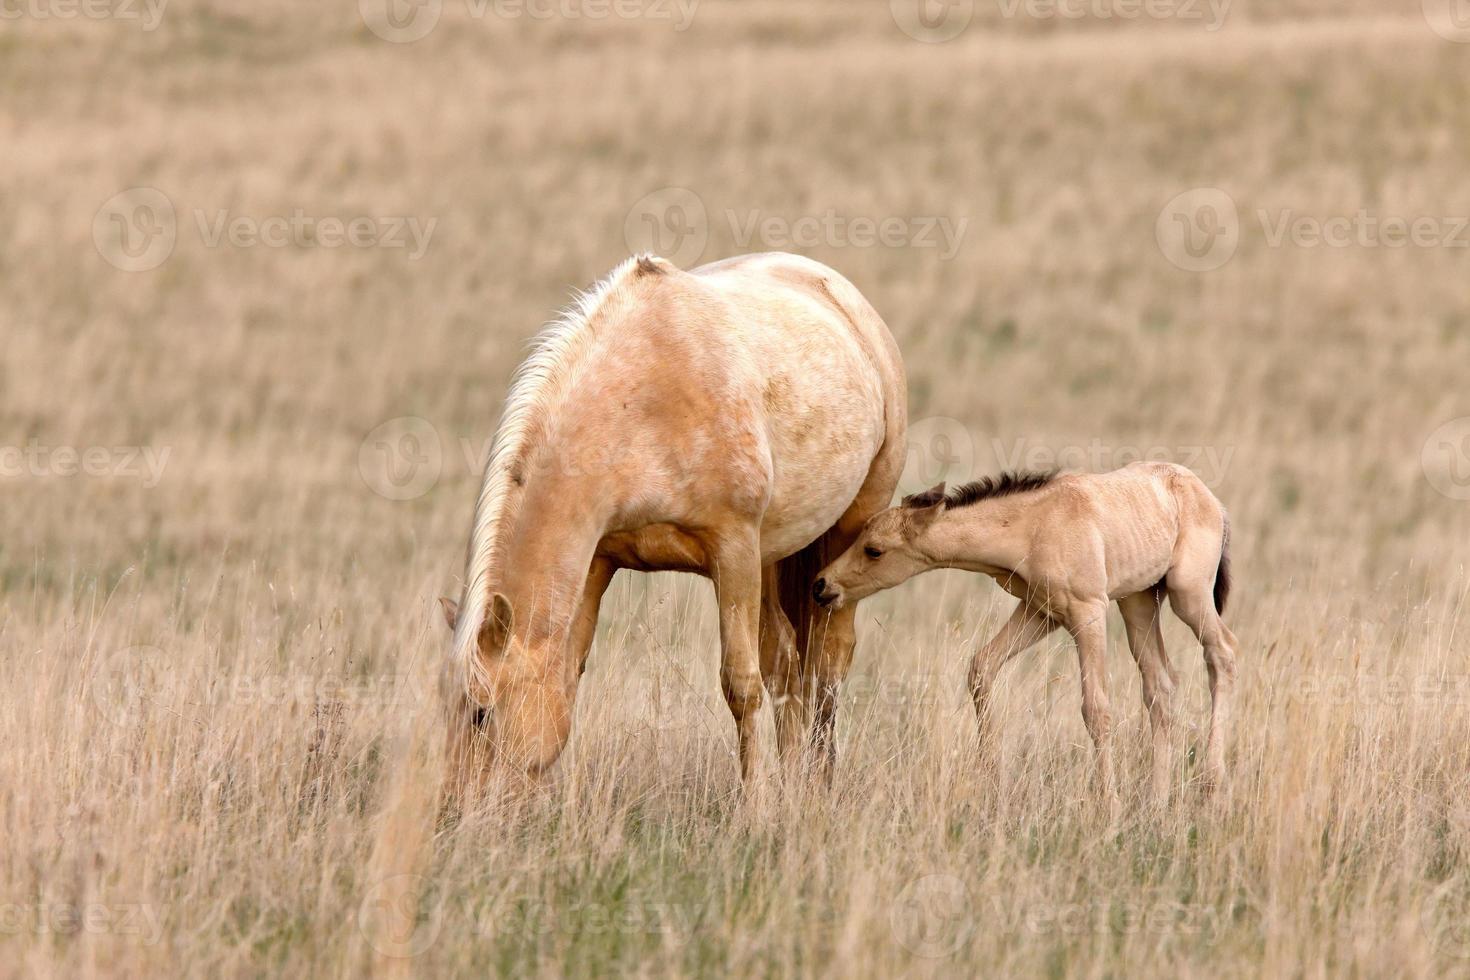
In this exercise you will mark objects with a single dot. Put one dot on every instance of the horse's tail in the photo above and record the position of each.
(1222, 574)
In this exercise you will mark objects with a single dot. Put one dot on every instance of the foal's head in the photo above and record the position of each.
(889, 550)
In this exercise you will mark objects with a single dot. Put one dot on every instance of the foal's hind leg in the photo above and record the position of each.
(1086, 620)
(1191, 594)
(1141, 613)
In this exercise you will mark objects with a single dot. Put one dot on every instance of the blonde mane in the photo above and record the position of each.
(538, 386)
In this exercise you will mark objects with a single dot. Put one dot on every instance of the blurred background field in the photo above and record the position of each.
(207, 665)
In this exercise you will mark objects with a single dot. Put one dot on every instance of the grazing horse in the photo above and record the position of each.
(742, 421)
(1066, 546)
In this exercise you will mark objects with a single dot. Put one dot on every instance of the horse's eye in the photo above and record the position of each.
(872, 552)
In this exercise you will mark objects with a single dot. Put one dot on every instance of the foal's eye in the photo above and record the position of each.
(872, 552)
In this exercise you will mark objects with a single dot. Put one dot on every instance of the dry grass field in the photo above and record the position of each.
(242, 412)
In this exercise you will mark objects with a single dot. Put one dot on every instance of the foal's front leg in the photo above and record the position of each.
(1088, 625)
(1027, 626)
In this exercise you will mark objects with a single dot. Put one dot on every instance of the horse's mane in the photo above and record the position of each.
(1004, 485)
(538, 386)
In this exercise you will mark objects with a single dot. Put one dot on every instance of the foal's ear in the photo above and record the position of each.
(934, 495)
(451, 610)
(495, 630)
(920, 509)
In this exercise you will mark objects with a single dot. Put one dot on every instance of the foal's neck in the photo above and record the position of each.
(988, 536)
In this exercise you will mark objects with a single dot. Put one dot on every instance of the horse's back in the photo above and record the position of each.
(810, 380)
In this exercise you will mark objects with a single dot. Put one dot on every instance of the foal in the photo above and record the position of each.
(1066, 546)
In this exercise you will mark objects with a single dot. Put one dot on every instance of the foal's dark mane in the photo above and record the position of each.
(990, 487)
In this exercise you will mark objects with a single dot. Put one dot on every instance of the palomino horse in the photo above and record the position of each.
(741, 421)
(1065, 546)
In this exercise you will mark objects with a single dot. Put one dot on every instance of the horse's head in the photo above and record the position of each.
(509, 705)
(889, 550)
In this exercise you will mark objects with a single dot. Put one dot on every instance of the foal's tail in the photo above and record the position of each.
(1222, 574)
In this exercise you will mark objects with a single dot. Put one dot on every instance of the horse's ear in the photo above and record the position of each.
(495, 630)
(934, 495)
(451, 610)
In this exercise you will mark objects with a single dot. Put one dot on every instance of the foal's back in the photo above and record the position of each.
(1139, 517)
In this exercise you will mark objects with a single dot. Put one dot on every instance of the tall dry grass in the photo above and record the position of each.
(215, 676)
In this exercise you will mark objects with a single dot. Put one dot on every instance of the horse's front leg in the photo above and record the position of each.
(736, 570)
(584, 626)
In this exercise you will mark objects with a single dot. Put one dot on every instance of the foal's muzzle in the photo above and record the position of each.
(822, 593)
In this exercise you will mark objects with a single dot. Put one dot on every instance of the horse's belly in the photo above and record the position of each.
(816, 475)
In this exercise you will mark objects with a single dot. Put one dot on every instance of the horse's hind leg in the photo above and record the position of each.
(825, 639)
(1191, 594)
(1141, 613)
(781, 667)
